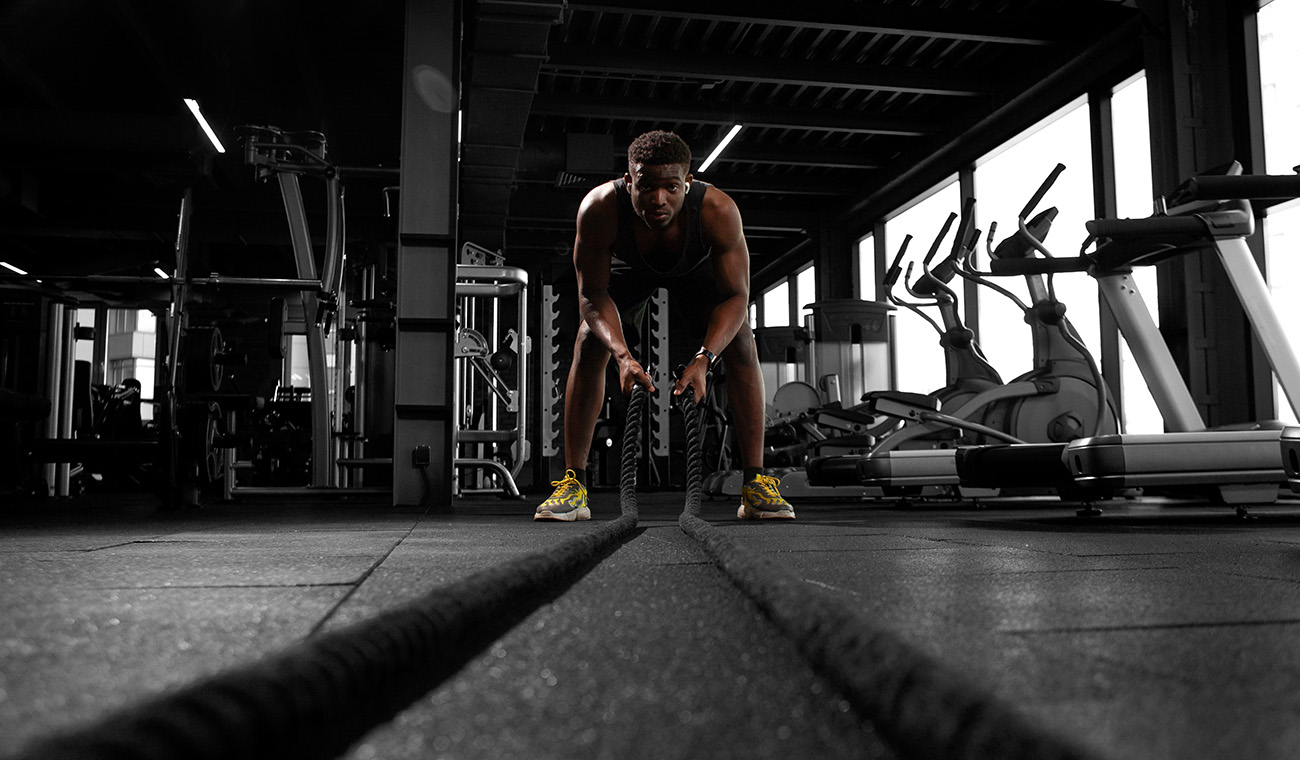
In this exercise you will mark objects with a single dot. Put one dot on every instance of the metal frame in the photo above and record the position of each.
(484, 286)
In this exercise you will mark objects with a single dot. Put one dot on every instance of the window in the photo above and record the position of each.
(805, 288)
(121, 321)
(867, 269)
(1279, 41)
(1133, 198)
(918, 356)
(1281, 241)
(776, 306)
(85, 348)
(1004, 182)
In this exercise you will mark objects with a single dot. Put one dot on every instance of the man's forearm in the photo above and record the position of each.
(725, 322)
(601, 315)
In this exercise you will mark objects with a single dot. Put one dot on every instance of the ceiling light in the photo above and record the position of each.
(207, 130)
(159, 271)
(11, 267)
(718, 150)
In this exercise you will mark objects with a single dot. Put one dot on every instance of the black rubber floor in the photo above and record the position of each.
(1158, 630)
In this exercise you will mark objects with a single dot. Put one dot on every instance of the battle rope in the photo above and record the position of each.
(317, 698)
(922, 709)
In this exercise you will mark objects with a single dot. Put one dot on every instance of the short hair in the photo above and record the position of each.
(657, 148)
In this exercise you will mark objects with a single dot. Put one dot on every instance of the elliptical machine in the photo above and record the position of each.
(1061, 399)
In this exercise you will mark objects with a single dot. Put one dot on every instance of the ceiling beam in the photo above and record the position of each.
(709, 67)
(870, 18)
(1038, 94)
(540, 153)
(544, 206)
(827, 158)
(606, 107)
(771, 184)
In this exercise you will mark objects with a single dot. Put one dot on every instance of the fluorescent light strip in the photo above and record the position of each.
(207, 130)
(11, 267)
(718, 150)
(158, 271)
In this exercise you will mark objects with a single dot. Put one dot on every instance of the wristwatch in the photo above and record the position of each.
(707, 354)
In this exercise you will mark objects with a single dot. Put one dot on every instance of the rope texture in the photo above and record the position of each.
(918, 706)
(317, 698)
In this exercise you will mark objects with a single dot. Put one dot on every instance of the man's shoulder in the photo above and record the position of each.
(605, 191)
(716, 204)
(598, 213)
(601, 197)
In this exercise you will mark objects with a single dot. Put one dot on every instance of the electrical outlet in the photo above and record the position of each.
(420, 456)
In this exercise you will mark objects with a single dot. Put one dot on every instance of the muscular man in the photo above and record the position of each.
(659, 227)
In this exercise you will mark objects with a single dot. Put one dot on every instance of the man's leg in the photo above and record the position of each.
(584, 395)
(759, 495)
(745, 395)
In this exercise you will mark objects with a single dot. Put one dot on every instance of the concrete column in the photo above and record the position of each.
(423, 424)
(1194, 53)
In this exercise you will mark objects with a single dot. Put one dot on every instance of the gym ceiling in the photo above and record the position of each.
(849, 108)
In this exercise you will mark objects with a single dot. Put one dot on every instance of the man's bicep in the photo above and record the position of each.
(591, 247)
(591, 264)
(730, 253)
(731, 267)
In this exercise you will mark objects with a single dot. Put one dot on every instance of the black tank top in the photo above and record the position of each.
(694, 253)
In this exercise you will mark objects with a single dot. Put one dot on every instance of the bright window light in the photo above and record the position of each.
(207, 130)
(718, 150)
(159, 271)
(11, 267)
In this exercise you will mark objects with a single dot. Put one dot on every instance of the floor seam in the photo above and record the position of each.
(320, 624)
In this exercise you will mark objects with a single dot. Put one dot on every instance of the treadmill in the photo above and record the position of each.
(1239, 465)
(1236, 466)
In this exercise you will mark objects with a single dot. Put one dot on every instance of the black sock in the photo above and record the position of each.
(581, 475)
(751, 473)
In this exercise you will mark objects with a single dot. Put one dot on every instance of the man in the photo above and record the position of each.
(659, 227)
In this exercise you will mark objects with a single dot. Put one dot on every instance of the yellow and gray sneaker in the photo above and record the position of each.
(568, 503)
(759, 500)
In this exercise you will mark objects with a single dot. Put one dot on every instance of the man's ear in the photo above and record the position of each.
(689, 178)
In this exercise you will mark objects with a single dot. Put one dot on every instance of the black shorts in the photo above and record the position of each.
(691, 298)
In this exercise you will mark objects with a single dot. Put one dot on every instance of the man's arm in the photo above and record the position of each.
(724, 233)
(597, 228)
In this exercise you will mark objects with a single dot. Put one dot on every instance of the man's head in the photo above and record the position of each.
(658, 176)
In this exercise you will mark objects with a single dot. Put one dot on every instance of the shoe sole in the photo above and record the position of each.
(746, 512)
(581, 513)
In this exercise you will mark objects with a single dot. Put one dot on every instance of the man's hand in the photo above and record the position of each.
(695, 375)
(631, 373)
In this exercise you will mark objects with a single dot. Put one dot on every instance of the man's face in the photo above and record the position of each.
(658, 192)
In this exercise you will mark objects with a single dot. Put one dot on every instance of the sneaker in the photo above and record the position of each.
(759, 500)
(568, 503)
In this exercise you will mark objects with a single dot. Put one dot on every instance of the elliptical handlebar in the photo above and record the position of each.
(896, 268)
(891, 279)
(1042, 190)
(934, 247)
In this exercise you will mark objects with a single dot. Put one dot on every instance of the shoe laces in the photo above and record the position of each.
(566, 484)
(768, 482)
